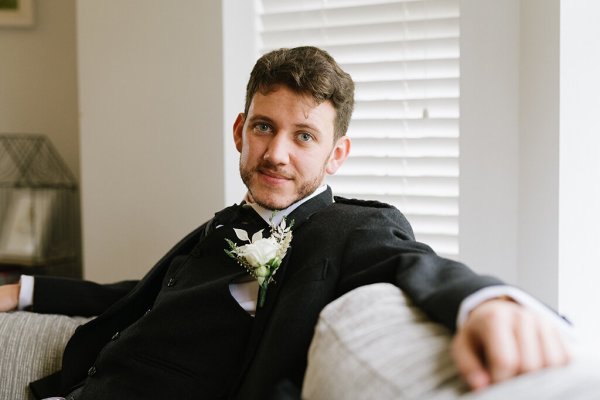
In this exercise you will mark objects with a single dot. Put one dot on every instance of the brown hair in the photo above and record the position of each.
(307, 70)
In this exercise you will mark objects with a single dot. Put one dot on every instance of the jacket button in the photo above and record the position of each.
(171, 282)
(115, 336)
(92, 371)
(148, 311)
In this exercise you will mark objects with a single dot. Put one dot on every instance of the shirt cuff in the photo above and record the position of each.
(26, 292)
(520, 297)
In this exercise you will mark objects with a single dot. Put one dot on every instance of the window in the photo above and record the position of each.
(404, 58)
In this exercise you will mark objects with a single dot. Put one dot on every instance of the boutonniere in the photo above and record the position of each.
(261, 257)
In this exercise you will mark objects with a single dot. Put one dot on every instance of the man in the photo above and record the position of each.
(195, 327)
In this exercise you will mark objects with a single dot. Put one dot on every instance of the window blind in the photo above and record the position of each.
(404, 58)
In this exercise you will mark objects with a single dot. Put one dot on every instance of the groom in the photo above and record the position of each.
(194, 327)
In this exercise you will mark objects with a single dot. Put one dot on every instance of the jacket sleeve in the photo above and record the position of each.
(383, 249)
(53, 295)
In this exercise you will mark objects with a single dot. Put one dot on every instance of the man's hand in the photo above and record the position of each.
(9, 297)
(501, 339)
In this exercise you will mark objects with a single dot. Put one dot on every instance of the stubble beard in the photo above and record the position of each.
(305, 189)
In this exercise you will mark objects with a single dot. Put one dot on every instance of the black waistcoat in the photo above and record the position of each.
(192, 341)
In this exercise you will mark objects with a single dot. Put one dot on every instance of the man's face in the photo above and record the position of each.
(286, 145)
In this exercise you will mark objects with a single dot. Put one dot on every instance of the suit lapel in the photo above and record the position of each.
(303, 213)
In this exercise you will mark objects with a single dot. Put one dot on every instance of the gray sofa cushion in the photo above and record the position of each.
(31, 347)
(372, 343)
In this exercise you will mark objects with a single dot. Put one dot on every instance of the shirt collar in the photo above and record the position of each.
(275, 217)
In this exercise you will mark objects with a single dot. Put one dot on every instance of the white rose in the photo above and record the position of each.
(260, 252)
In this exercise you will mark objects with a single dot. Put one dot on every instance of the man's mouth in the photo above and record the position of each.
(274, 175)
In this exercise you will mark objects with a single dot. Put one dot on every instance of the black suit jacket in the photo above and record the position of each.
(337, 246)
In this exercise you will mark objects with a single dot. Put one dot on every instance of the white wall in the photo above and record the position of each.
(509, 142)
(151, 98)
(489, 136)
(38, 78)
(559, 194)
(239, 56)
(579, 176)
(539, 163)
(529, 149)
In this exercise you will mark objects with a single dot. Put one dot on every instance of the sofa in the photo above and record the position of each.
(369, 344)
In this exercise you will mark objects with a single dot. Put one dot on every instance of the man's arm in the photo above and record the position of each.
(499, 339)
(53, 295)
(56, 295)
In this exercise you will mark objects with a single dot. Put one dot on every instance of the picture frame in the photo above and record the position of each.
(16, 13)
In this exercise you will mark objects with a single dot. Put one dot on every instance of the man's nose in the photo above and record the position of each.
(278, 151)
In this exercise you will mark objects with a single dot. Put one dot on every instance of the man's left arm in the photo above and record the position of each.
(499, 339)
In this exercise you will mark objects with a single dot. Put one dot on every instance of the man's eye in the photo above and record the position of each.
(262, 127)
(305, 137)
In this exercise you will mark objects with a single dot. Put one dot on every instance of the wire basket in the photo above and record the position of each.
(39, 207)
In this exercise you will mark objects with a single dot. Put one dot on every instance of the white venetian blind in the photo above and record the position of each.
(404, 58)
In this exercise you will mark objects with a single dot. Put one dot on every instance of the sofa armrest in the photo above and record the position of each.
(31, 348)
(372, 343)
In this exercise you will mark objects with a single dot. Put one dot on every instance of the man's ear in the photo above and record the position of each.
(338, 155)
(238, 131)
